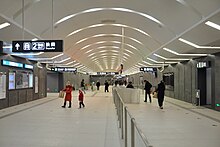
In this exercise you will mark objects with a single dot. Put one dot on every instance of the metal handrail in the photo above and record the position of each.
(133, 122)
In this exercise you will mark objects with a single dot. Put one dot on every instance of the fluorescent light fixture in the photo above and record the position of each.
(111, 9)
(88, 51)
(188, 42)
(212, 24)
(7, 47)
(70, 62)
(76, 64)
(3, 25)
(27, 54)
(102, 51)
(93, 57)
(101, 25)
(129, 51)
(127, 54)
(110, 35)
(197, 46)
(116, 42)
(170, 58)
(57, 62)
(35, 39)
(147, 62)
(173, 52)
(91, 54)
(57, 56)
(47, 58)
(160, 62)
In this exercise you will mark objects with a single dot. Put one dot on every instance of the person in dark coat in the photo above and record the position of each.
(82, 85)
(147, 90)
(130, 85)
(160, 94)
(98, 85)
(81, 98)
(68, 97)
(106, 86)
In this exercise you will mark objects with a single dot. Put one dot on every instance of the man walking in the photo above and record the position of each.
(160, 94)
(147, 90)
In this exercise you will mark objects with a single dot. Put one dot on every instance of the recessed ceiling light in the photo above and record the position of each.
(173, 52)
(212, 24)
(3, 25)
(169, 58)
(115, 9)
(35, 39)
(197, 46)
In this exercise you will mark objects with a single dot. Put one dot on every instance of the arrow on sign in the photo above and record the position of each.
(17, 46)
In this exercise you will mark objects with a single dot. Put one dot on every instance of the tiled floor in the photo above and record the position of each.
(179, 124)
(43, 123)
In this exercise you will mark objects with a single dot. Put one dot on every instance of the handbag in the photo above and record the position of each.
(61, 94)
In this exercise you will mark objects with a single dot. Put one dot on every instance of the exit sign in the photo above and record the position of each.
(217, 105)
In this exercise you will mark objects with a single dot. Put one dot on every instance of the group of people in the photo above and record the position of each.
(160, 92)
(69, 88)
(147, 87)
(68, 96)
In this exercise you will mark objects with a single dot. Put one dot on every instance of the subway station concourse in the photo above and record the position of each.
(54, 54)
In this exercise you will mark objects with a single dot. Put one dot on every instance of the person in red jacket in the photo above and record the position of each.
(68, 97)
(81, 97)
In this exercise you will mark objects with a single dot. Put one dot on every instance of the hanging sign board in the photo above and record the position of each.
(148, 69)
(203, 64)
(64, 69)
(25, 46)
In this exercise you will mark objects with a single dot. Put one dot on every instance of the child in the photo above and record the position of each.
(81, 97)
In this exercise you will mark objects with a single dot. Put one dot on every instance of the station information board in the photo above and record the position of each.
(37, 46)
(64, 69)
(148, 69)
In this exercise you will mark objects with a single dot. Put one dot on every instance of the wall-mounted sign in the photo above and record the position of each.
(148, 69)
(203, 64)
(11, 78)
(37, 46)
(2, 85)
(36, 84)
(168, 79)
(11, 63)
(64, 69)
(28, 66)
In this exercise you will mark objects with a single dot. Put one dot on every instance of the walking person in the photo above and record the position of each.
(147, 90)
(82, 85)
(81, 98)
(106, 86)
(98, 85)
(68, 97)
(160, 94)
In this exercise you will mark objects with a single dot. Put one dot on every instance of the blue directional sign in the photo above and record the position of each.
(11, 63)
(37, 46)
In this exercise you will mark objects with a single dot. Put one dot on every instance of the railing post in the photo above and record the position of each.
(122, 126)
(132, 133)
(126, 130)
(119, 114)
